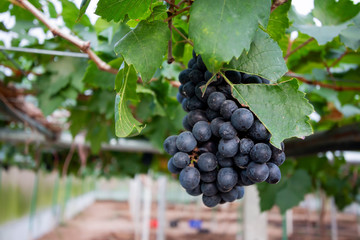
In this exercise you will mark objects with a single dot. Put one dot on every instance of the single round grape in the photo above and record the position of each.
(274, 173)
(241, 192)
(204, 96)
(265, 81)
(186, 142)
(179, 97)
(188, 90)
(245, 180)
(184, 76)
(202, 131)
(181, 159)
(227, 108)
(215, 100)
(196, 75)
(201, 64)
(227, 178)
(208, 176)
(224, 161)
(225, 89)
(241, 160)
(245, 145)
(207, 75)
(228, 148)
(195, 67)
(184, 104)
(215, 126)
(230, 196)
(222, 188)
(278, 159)
(170, 145)
(227, 131)
(189, 178)
(194, 103)
(196, 116)
(207, 162)
(251, 79)
(195, 192)
(258, 132)
(172, 167)
(191, 62)
(257, 172)
(211, 114)
(209, 189)
(186, 124)
(242, 119)
(211, 201)
(260, 153)
(233, 76)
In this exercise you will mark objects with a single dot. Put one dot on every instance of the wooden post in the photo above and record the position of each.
(147, 208)
(161, 208)
(334, 227)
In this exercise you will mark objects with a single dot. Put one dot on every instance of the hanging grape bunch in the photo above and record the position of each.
(225, 146)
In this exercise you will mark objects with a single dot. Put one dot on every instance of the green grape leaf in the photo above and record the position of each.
(223, 29)
(279, 21)
(281, 107)
(117, 9)
(323, 34)
(125, 124)
(69, 13)
(144, 47)
(264, 58)
(351, 37)
(83, 6)
(52, 10)
(333, 12)
(295, 189)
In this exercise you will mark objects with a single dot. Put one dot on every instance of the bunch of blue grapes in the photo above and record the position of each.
(225, 147)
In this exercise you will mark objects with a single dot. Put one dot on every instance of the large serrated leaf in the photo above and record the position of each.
(144, 47)
(117, 9)
(125, 124)
(323, 34)
(264, 58)
(222, 29)
(282, 108)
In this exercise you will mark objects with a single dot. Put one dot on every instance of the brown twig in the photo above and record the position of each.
(182, 35)
(298, 47)
(339, 58)
(321, 84)
(177, 13)
(170, 58)
(277, 3)
(288, 50)
(82, 45)
(175, 84)
(68, 159)
(172, 4)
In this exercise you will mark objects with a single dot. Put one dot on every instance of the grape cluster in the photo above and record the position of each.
(225, 147)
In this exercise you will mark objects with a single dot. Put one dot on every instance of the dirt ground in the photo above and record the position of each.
(112, 221)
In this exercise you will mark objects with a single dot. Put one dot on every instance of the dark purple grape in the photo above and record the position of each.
(211, 201)
(258, 132)
(194, 104)
(208, 176)
(230, 196)
(189, 178)
(209, 189)
(196, 116)
(227, 108)
(204, 96)
(233, 76)
(241, 192)
(260, 153)
(228, 148)
(245, 145)
(186, 142)
(224, 161)
(227, 131)
(191, 62)
(181, 159)
(184, 76)
(242, 119)
(172, 167)
(188, 90)
(207, 162)
(257, 172)
(186, 124)
(170, 145)
(245, 180)
(195, 192)
(215, 100)
(241, 160)
(274, 174)
(202, 131)
(215, 126)
(227, 178)
(184, 104)
(179, 97)
(208, 146)
(201, 64)
(196, 75)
